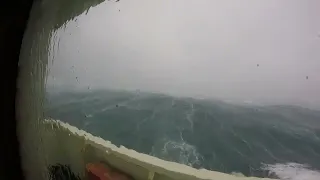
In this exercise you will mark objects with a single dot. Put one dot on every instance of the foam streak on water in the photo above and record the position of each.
(178, 151)
(292, 171)
(206, 134)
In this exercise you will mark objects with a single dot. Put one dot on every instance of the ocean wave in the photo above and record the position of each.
(177, 151)
(292, 171)
(208, 134)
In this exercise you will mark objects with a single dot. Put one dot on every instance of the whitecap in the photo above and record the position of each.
(292, 171)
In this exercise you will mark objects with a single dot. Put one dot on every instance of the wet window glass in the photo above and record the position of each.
(182, 89)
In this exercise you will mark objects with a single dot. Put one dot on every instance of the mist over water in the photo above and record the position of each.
(237, 51)
(219, 73)
(211, 134)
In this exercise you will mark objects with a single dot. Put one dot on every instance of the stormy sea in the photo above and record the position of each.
(278, 141)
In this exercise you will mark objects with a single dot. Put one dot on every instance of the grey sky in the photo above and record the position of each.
(202, 48)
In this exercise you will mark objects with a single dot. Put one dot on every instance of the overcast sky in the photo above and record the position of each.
(248, 50)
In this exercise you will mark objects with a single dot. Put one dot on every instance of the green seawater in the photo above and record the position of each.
(207, 134)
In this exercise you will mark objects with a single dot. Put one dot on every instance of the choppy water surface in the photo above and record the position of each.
(265, 141)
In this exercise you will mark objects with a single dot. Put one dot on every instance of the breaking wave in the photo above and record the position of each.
(207, 134)
(292, 171)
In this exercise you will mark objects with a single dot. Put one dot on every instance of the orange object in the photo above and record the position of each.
(99, 171)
